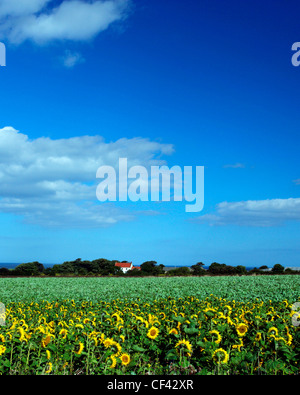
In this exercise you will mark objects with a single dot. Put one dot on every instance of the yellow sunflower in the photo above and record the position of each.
(125, 359)
(107, 342)
(187, 345)
(122, 337)
(258, 336)
(219, 337)
(49, 367)
(273, 330)
(63, 333)
(241, 329)
(113, 362)
(220, 356)
(2, 349)
(80, 348)
(153, 332)
(22, 334)
(238, 346)
(117, 346)
(46, 340)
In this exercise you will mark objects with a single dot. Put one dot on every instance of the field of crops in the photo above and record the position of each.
(205, 325)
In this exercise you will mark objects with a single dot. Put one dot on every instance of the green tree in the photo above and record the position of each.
(241, 269)
(5, 272)
(222, 268)
(29, 269)
(134, 272)
(217, 268)
(198, 269)
(278, 269)
(149, 268)
(180, 271)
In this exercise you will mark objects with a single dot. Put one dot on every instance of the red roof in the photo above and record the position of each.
(123, 264)
(136, 267)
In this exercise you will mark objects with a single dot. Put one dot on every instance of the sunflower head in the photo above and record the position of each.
(153, 332)
(186, 345)
(273, 331)
(63, 333)
(107, 342)
(2, 349)
(79, 348)
(49, 368)
(125, 359)
(220, 356)
(113, 362)
(216, 336)
(258, 336)
(241, 329)
(46, 341)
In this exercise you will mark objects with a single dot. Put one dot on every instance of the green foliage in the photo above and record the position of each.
(102, 267)
(238, 288)
(180, 271)
(28, 269)
(198, 269)
(241, 269)
(134, 273)
(71, 326)
(149, 268)
(278, 268)
(221, 268)
(105, 267)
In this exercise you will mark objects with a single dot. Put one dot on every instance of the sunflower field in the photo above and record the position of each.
(147, 326)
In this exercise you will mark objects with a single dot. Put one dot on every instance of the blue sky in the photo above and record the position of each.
(193, 83)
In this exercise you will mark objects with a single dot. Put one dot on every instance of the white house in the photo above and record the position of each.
(125, 266)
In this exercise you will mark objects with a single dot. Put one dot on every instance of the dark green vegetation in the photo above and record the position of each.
(104, 267)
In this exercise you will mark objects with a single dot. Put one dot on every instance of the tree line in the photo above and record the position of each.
(105, 267)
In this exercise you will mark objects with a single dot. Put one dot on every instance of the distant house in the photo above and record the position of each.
(125, 266)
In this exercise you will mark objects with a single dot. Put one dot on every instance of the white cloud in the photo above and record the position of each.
(41, 21)
(10, 8)
(262, 213)
(54, 181)
(71, 59)
(297, 182)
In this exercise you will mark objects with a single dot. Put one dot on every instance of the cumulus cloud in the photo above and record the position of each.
(43, 20)
(53, 182)
(262, 213)
(21, 7)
